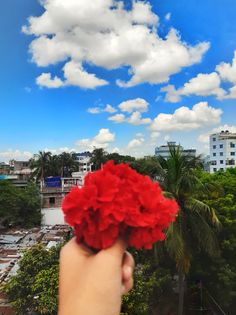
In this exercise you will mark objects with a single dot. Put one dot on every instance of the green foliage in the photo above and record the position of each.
(19, 207)
(220, 275)
(153, 289)
(45, 164)
(35, 286)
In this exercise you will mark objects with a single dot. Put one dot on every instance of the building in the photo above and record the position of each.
(5, 168)
(17, 172)
(12, 244)
(164, 150)
(53, 190)
(84, 161)
(222, 151)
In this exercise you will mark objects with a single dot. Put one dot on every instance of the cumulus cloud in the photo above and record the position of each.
(59, 150)
(94, 110)
(138, 104)
(77, 76)
(16, 154)
(97, 110)
(136, 119)
(137, 142)
(118, 118)
(109, 109)
(201, 85)
(45, 80)
(101, 140)
(185, 119)
(103, 33)
(206, 84)
(227, 71)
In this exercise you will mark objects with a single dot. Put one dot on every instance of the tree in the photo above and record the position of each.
(35, 286)
(67, 164)
(193, 229)
(219, 277)
(118, 158)
(147, 166)
(98, 158)
(41, 165)
(19, 207)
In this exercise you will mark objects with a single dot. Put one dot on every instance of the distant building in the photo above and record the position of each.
(84, 161)
(53, 190)
(164, 150)
(206, 163)
(18, 172)
(5, 168)
(222, 151)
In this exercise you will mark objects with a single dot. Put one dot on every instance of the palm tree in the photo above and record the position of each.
(98, 158)
(40, 164)
(67, 164)
(194, 227)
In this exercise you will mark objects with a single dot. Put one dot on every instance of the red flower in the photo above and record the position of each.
(117, 201)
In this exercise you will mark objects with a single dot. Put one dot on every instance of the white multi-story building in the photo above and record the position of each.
(222, 151)
(84, 161)
(164, 150)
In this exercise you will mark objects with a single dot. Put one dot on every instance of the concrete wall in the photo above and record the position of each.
(52, 216)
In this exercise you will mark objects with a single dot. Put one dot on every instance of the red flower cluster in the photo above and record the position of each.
(117, 201)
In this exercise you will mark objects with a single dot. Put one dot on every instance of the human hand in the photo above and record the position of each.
(93, 284)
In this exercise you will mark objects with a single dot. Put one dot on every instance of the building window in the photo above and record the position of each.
(230, 162)
(214, 169)
(221, 169)
(221, 153)
(213, 162)
(221, 146)
(232, 153)
(52, 201)
(214, 154)
(213, 139)
(232, 145)
(214, 146)
(221, 161)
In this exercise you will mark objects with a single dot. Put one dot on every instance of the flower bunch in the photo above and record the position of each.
(116, 201)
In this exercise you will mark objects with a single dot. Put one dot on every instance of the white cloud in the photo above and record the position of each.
(16, 154)
(138, 104)
(98, 110)
(101, 140)
(227, 71)
(168, 16)
(118, 118)
(99, 33)
(109, 109)
(185, 119)
(202, 85)
(136, 119)
(155, 135)
(45, 80)
(135, 143)
(94, 110)
(172, 95)
(77, 76)
(59, 150)
(206, 84)
(232, 93)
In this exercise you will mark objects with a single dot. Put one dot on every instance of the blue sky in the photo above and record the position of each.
(126, 76)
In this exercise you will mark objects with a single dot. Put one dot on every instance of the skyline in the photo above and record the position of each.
(125, 77)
